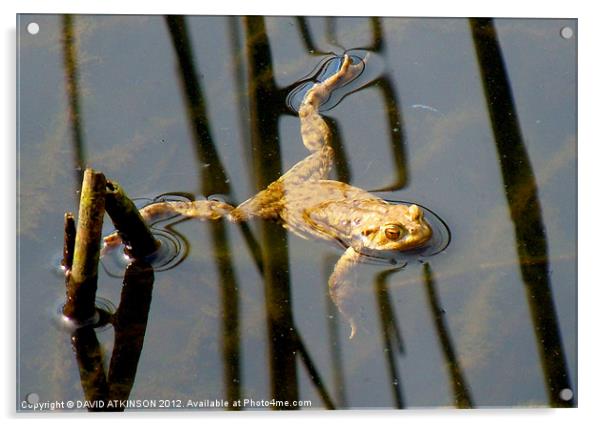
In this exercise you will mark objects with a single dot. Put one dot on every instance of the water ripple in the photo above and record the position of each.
(173, 248)
(326, 68)
(101, 320)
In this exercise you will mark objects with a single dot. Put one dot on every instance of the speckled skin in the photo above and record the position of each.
(306, 203)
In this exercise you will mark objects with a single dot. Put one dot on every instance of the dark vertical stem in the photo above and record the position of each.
(520, 188)
(314, 375)
(336, 358)
(213, 172)
(230, 312)
(396, 132)
(378, 43)
(127, 220)
(394, 117)
(83, 277)
(88, 353)
(335, 355)
(213, 180)
(267, 163)
(242, 97)
(306, 37)
(331, 30)
(385, 306)
(460, 389)
(72, 86)
(130, 327)
(69, 242)
(390, 333)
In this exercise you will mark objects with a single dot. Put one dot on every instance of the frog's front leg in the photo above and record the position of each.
(341, 286)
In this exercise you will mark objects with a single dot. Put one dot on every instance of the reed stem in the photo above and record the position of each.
(83, 277)
(134, 232)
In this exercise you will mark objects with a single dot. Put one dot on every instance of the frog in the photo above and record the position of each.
(310, 205)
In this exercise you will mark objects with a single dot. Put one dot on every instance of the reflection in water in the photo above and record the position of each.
(173, 249)
(72, 85)
(90, 358)
(330, 30)
(312, 48)
(396, 132)
(336, 359)
(520, 187)
(391, 334)
(313, 373)
(306, 37)
(458, 384)
(267, 167)
(214, 175)
(130, 327)
(129, 323)
(213, 180)
(397, 136)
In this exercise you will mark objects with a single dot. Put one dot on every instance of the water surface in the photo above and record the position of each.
(474, 119)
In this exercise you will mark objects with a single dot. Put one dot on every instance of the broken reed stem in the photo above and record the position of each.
(83, 277)
(128, 221)
(69, 242)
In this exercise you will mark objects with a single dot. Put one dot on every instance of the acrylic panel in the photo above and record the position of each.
(411, 182)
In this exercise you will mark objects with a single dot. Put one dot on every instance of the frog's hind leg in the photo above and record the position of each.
(201, 209)
(315, 133)
(314, 167)
(314, 130)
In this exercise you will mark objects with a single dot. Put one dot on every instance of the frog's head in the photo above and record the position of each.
(402, 229)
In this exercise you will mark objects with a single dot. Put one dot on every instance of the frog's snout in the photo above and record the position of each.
(419, 231)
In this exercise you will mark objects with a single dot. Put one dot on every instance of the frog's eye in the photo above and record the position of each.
(393, 232)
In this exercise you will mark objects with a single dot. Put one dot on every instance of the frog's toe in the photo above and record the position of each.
(347, 61)
(110, 242)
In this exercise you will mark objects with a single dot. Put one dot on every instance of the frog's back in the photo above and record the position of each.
(324, 209)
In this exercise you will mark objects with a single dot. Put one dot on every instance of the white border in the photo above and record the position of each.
(460, 8)
(589, 193)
